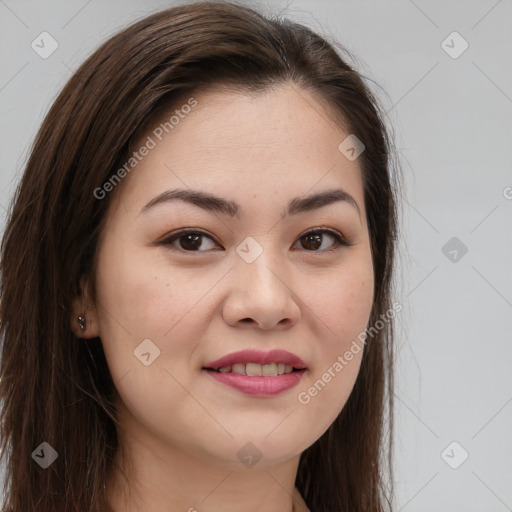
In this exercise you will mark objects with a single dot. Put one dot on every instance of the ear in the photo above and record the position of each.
(83, 305)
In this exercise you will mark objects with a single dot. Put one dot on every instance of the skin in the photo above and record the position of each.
(180, 428)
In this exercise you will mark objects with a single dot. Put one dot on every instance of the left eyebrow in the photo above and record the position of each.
(212, 203)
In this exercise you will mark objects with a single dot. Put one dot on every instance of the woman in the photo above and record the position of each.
(196, 278)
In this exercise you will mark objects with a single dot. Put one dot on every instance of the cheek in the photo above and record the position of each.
(147, 308)
(138, 295)
(343, 311)
(343, 301)
(132, 304)
(145, 298)
(348, 309)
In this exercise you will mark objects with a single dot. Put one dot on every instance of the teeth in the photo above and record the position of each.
(258, 370)
(238, 368)
(254, 370)
(269, 370)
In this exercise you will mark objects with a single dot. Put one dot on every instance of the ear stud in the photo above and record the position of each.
(81, 322)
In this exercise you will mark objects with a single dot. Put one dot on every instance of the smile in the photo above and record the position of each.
(257, 370)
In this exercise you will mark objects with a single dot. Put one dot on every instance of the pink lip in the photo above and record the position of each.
(258, 386)
(258, 357)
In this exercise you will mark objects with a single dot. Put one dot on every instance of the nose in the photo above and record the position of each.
(261, 294)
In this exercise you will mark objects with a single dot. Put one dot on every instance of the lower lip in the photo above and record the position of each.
(259, 386)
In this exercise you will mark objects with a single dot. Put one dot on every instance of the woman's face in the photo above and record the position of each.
(263, 278)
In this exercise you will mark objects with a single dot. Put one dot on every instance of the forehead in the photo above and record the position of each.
(282, 142)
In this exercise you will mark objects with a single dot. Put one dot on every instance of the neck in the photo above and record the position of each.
(158, 475)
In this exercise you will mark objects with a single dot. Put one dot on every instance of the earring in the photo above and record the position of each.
(81, 322)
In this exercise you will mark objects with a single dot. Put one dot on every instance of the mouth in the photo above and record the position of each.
(256, 363)
(257, 373)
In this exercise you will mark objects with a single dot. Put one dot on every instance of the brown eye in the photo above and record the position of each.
(188, 241)
(313, 240)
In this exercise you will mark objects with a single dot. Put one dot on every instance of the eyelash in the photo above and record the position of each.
(339, 240)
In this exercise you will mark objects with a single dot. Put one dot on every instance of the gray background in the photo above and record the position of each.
(452, 126)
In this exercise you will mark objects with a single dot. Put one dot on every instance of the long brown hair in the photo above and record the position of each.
(59, 390)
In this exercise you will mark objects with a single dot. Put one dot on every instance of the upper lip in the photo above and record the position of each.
(258, 357)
